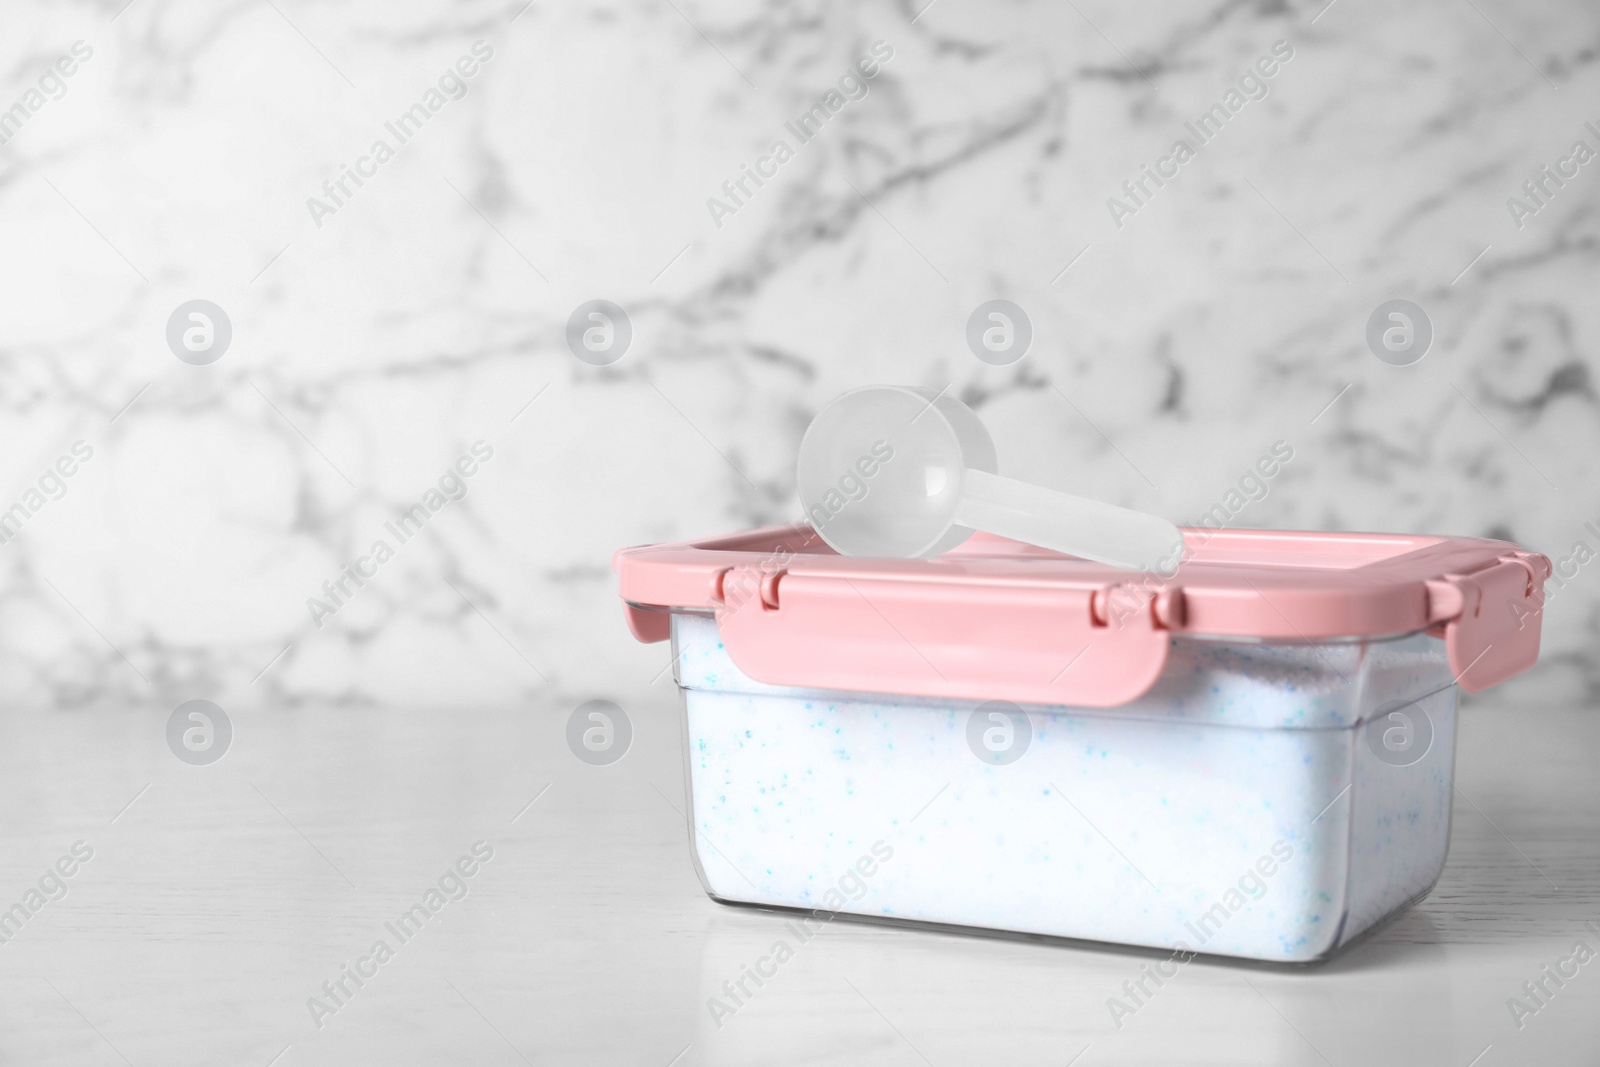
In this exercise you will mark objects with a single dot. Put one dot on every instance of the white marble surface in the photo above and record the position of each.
(219, 899)
(372, 350)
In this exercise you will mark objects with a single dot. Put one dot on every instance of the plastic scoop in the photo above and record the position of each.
(903, 472)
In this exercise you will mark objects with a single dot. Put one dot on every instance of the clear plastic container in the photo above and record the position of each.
(1269, 794)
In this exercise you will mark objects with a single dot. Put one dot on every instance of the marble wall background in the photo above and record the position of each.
(428, 311)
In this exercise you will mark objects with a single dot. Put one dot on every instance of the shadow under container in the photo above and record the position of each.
(1250, 758)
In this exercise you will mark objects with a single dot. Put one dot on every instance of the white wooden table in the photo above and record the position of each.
(222, 897)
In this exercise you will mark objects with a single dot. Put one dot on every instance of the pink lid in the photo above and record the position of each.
(996, 619)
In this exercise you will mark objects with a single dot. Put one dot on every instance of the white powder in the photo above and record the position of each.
(1128, 824)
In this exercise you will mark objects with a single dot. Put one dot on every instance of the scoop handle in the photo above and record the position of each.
(1074, 525)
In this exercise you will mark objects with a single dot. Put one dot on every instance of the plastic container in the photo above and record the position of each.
(1252, 757)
